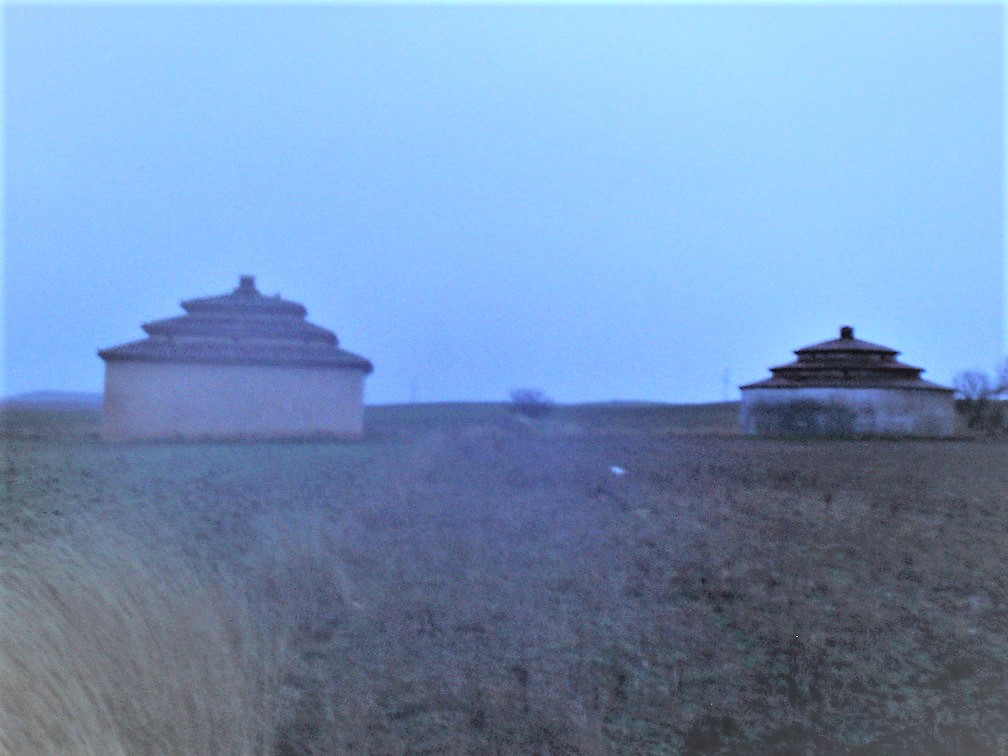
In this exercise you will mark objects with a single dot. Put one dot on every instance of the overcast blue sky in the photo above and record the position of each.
(600, 202)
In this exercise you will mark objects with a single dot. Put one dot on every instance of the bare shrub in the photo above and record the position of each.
(977, 400)
(110, 644)
(531, 403)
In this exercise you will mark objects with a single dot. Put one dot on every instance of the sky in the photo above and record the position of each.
(653, 202)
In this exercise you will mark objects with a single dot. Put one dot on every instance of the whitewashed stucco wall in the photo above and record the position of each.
(846, 411)
(149, 400)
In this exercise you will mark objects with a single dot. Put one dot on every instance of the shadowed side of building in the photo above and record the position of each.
(238, 365)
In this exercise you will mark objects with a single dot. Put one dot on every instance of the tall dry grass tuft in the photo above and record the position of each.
(112, 644)
(296, 568)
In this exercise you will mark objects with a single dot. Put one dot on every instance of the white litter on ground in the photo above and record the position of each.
(616, 470)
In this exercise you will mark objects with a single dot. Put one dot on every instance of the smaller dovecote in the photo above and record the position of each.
(844, 387)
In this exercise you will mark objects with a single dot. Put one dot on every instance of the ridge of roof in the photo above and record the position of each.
(851, 362)
(237, 326)
(226, 352)
(781, 382)
(246, 297)
(846, 343)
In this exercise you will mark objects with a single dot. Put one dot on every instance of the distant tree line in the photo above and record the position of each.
(981, 399)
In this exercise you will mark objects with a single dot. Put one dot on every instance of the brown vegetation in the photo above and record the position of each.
(467, 582)
(110, 645)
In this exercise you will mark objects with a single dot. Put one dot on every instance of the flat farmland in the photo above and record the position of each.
(614, 578)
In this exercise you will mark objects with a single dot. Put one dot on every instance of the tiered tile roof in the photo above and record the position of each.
(243, 327)
(846, 362)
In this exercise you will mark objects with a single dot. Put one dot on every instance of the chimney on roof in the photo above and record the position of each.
(246, 284)
(846, 332)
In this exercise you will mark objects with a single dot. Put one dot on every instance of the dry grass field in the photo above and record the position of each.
(464, 580)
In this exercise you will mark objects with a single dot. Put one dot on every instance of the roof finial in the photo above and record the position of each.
(846, 332)
(246, 284)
